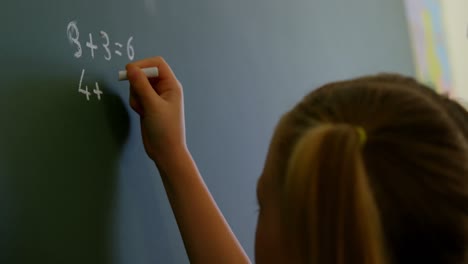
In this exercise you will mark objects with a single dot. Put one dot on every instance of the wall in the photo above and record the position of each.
(455, 14)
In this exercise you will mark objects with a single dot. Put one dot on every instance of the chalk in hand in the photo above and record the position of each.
(149, 72)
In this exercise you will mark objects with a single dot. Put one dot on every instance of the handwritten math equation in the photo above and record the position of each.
(109, 49)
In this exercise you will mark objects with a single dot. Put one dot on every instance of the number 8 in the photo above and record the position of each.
(72, 27)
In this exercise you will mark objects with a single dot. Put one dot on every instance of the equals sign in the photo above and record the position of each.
(117, 51)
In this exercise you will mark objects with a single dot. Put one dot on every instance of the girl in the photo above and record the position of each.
(370, 170)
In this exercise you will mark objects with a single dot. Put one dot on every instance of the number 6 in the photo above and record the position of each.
(130, 50)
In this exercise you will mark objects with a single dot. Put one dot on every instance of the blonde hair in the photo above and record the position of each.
(398, 196)
(335, 216)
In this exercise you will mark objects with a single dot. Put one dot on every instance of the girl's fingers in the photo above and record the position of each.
(165, 71)
(141, 87)
(166, 81)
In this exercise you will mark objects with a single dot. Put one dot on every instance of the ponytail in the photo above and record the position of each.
(330, 209)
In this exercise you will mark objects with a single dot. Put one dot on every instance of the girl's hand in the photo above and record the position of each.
(159, 102)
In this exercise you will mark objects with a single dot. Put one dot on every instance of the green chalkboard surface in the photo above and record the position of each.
(75, 183)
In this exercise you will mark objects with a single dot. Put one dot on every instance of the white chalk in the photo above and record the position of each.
(149, 72)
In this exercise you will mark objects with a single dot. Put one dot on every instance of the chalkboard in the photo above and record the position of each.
(75, 183)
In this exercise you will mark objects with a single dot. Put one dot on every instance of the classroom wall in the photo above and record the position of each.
(439, 34)
(455, 16)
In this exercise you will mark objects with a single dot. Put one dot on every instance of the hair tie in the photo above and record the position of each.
(362, 134)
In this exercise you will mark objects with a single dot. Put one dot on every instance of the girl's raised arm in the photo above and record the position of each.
(159, 102)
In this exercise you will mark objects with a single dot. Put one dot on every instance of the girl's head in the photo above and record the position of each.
(370, 170)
